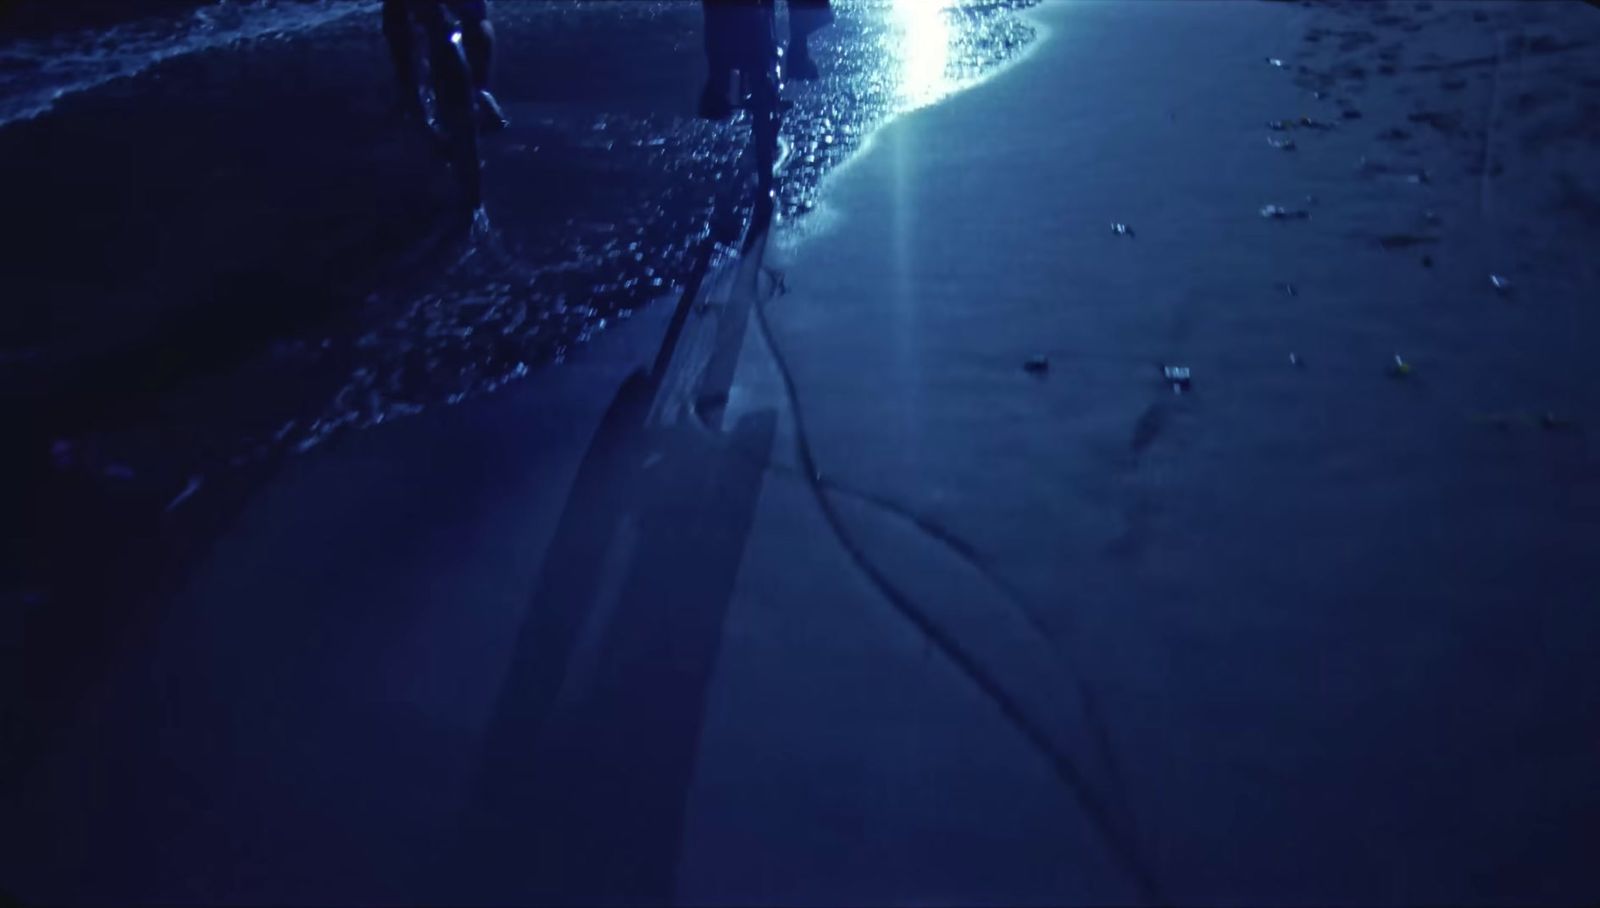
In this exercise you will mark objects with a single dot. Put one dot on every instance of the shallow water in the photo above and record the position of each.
(600, 197)
(501, 311)
(38, 70)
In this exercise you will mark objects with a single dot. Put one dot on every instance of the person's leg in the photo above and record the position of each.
(477, 38)
(402, 39)
(456, 101)
(806, 17)
(719, 35)
(801, 65)
(477, 33)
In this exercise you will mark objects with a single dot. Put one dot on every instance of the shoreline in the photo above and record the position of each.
(96, 467)
(863, 580)
(1313, 595)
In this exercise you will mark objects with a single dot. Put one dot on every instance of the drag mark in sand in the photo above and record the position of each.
(1118, 836)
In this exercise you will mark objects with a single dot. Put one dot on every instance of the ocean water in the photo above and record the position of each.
(600, 197)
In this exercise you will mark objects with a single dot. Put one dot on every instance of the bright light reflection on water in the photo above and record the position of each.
(922, 35)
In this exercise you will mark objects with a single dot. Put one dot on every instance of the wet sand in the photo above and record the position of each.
(1333, 610)
(1132, 494)
(240, 254)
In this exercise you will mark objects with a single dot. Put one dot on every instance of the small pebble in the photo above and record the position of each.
(1177, 376)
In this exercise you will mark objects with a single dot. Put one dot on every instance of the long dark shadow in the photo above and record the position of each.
(591, 748)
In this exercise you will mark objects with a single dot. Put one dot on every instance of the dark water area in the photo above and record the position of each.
(234, 251)
(40, 18)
